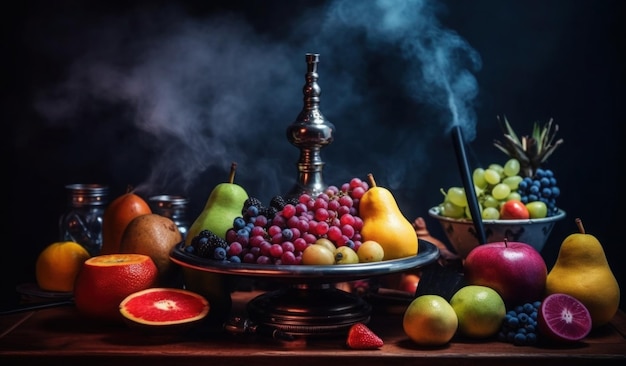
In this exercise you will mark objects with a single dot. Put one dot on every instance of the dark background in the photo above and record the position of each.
(164, 95)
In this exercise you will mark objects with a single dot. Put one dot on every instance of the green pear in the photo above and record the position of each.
(221, 209)
(581, 270)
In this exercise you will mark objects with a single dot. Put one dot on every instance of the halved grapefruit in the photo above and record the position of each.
(164, 309)
(563, 318)
(105, 280)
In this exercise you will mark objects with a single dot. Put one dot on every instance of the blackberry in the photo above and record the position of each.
(206, 242)
(278, 202)
(268, 212)
(292, 200)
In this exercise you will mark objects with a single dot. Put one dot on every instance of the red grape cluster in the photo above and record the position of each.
(262, 239)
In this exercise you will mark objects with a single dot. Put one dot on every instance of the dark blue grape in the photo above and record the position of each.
(540, 173)
(528, 308)
(510, 336)
(512, 321)
(523, 318)
(252, 211)
(239, 223)
(520, 324)
(520, 339)
(234, 259)
(287, 234)
(219, 253)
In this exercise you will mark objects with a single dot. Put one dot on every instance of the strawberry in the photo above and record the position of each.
(361, 337)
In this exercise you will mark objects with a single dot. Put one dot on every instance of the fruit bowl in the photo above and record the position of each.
(309, 304)
(462, 235)
(308, 274)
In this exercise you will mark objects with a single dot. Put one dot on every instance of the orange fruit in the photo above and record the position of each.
(58, 264)
(153, 235)
(105, 280)
(118, 214)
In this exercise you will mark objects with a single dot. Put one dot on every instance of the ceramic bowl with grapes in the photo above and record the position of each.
(463, 237)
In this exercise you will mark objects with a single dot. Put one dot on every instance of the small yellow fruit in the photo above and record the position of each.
(58, 264)
(346, 255)
(370, 251)
(480, 310)
(429, 320)
(318, 255)
(326, 243)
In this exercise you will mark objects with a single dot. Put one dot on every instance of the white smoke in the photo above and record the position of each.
(203, 92)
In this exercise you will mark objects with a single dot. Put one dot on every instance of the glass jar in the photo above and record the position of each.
(173, 207)
(82, 222)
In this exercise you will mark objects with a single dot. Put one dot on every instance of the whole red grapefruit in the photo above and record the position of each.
(105, 280)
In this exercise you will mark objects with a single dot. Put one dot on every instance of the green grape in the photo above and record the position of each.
(500, 191)
(489, 201)
(511, 167)
(478, 176)
(498, 168)
(492, 176)
(449, 209)
(457, 196)
(513, 196)
(468, 212)
(490, 213)
(512, 181)
(537, 209)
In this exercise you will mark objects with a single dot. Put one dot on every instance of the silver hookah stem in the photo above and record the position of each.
(310, 132)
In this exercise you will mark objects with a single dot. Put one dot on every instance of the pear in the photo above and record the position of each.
(582, 271)
(383, 222)
(223, 206)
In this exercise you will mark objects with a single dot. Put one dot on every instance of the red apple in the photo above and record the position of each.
(515, 270)
(514, 210)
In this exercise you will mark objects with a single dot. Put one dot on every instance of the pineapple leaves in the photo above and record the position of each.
(531, 151)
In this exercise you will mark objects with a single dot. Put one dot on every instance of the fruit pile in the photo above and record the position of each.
(562, 305)
(353, 223)
(521, 180)
(281, 232)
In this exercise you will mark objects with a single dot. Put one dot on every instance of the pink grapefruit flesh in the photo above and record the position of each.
(162, 307)
(563, 318)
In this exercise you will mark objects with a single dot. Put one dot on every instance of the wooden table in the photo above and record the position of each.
(60, 336)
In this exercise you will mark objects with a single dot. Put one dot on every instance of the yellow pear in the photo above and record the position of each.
(582, 271)
(384, 223)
